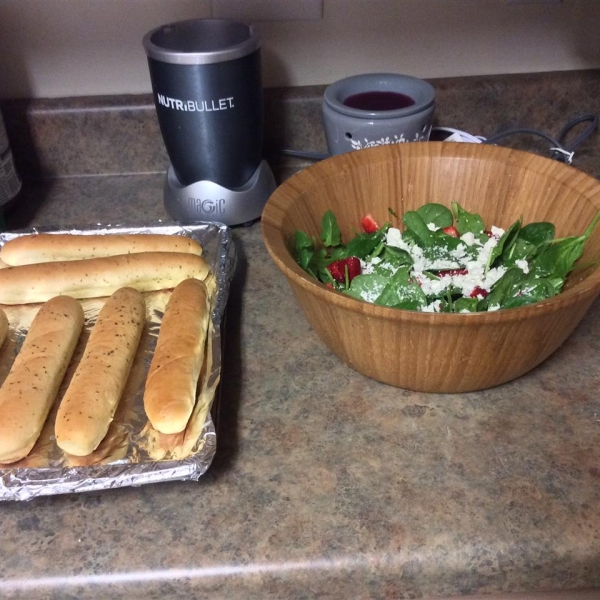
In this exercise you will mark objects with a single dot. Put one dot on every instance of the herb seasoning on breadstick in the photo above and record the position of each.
(98, 277)
(32, 384)
(172, 381)
(46, 247)
(88, 406)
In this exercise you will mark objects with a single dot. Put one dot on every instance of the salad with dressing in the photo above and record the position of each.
(443, 260)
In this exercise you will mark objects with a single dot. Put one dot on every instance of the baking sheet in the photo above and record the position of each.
(132, 453)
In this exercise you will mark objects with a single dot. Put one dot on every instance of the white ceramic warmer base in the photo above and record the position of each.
(209, 201)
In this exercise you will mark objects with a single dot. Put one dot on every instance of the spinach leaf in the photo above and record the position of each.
(444, 249)
(301, 240)
(392, 264)
(392, 253)
(466, 304)
(400, 292)
(502, 288)
(416, 225)
(520, 250)
(409, 304)
(537, 233)
(559, 257)
(304, 249)
(319, 263)
(437, 214)
(410, 238)
(338, 253)
(504, 243)
(367, 287)
(467, 222)
(330, 232)
(528, 291)
(364, 244)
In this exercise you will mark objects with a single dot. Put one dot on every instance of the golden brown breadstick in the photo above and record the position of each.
(33, 382)
(3, 326)
(88, 406)
(45, 247)
(98, 277)
(172, 380)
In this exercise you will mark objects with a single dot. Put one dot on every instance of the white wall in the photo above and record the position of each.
(54, 48)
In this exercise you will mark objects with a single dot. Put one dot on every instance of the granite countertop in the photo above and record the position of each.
(325, 484)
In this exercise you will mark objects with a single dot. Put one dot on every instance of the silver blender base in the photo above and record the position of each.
(209, 201)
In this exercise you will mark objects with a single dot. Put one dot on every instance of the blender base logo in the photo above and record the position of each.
(207, 206)
(196, 105)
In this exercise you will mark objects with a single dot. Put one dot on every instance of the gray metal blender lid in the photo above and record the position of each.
(201, 41)
(420, 91)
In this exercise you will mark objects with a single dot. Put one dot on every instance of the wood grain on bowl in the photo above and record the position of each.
(424, 351)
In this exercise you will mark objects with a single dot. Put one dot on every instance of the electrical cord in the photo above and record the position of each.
(559, 149)
(302, 154)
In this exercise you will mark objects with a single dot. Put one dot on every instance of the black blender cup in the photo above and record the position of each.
(206, 81)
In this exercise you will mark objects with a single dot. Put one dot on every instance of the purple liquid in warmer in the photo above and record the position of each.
(378, 101)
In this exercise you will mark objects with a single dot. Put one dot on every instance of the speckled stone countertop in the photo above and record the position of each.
(327, 484)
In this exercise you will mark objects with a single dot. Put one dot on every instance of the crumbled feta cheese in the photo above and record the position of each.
(484, 255)
(476, 275)
(523, 265)
(420, 264)
(468, 238)
(434, 307)
(441, 265)
(460, 252)
(367, 267)
(492, 276)
(394, 238)
(493, 307)
(433, 287)
(432, 227)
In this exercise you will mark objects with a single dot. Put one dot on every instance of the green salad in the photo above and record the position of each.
(443, 260)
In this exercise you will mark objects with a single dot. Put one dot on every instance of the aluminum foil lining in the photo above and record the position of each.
(133, 453)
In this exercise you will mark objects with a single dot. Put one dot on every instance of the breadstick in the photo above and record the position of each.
(170, 393)
(35, 377)
(88, 406)
(3, 326)
(45, 247)
(98, 277)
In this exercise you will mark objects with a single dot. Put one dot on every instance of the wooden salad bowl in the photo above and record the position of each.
(437, 352)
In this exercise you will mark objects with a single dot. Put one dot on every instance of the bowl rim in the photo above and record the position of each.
(279, 253)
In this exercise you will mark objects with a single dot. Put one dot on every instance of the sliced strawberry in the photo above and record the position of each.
(452, 272)
(451, 231)
(337, 271)
(338, 268)
(478, 291)
(369, 224)
(354, 268)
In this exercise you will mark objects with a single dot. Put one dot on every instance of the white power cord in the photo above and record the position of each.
(456, 135)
